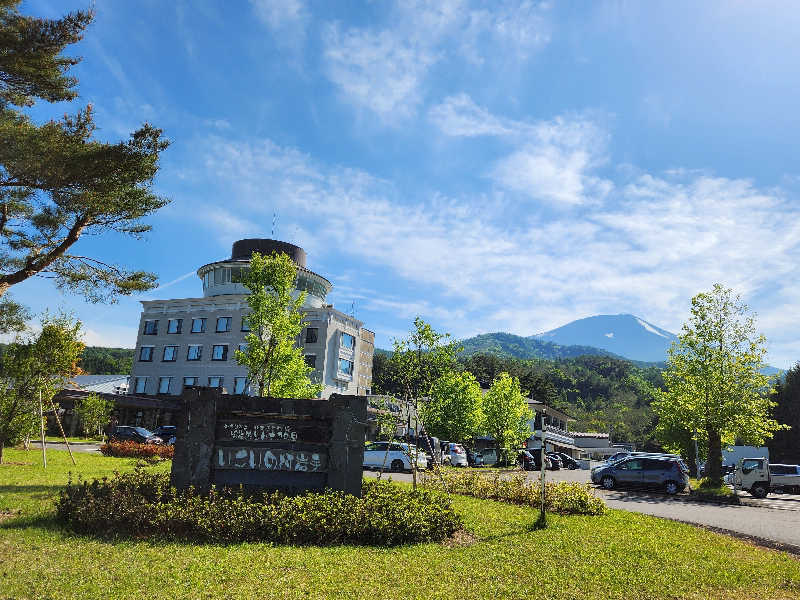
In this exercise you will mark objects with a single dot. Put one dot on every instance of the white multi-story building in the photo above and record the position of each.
(191, 341)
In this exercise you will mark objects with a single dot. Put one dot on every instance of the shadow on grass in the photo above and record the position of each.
(30, 489)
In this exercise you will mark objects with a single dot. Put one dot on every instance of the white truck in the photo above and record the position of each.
(758, 477)
(752, 475)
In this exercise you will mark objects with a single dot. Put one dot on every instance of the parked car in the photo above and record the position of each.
(490, 456)
(617, 456)
(397, 459)
(567, 462)
(530, 460)
(555, 460)
(456, 452)
(474, 458)
(785, 478)
(124, 433)
(166, 433)
(654, 471)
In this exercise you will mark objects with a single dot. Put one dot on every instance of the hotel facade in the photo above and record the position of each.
(191, 341)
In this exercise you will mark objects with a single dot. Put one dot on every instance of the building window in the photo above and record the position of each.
(163, 385)
(312, 334)
(215, 382)
(223, 324)
(346, 366)
(187, 381)
(207, 278)
(174, 325)
(222, 275)
(311, 360)
(170, 353)
(194, 353)
(348, 341)
(242, 347)
(239, 385)
(220, 352)
(146, 354)
(198, 325)
(151, 327)
(141, 385)
(245, 324)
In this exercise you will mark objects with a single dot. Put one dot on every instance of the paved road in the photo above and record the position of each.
(75, 447)
(775, 518)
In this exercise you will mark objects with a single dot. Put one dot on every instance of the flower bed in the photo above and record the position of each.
(142, 505)
(566, 498)
(130, 449)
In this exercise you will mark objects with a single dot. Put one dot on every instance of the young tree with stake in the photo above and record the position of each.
(274, 364)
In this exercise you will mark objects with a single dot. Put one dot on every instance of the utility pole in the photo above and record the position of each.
(542, 522)
(41, 427)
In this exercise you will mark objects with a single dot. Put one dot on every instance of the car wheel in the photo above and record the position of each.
(608, 482)
(759, 490)
(671, 488)
(397, 465)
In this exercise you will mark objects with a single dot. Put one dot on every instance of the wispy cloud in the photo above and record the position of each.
(386, 69)
(662, 240)
(553, 160)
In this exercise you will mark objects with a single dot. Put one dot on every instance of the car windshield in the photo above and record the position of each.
(142, 431)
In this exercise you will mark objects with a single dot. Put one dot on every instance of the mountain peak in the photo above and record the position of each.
(623, 334)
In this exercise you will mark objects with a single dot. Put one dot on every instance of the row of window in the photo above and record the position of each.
(165, 385)
(193, 352)
(223, 325)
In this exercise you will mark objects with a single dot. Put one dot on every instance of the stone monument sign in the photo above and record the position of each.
(275, 443)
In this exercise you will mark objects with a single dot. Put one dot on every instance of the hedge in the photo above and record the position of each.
(142, 505)
(563, 497)
(130, 449)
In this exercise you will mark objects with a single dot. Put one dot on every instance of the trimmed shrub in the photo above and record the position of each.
(563, 497)
(142, 505)
(131, 449)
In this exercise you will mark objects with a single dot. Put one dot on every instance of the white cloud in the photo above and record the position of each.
(279, 13)
(380, 71)
(472, 268)
(385, 69)
(553, 160)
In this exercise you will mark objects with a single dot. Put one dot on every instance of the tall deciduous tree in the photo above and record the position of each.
(454, 409)
(506, 414)
(274, 363)
(34, 369)
(57, 183)
(714, 384)
(785, 446)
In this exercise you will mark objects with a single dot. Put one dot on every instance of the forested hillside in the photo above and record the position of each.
(97, 360)
(602, 393)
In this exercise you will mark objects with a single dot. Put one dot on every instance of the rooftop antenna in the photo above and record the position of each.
(274, 223)
(353, 309)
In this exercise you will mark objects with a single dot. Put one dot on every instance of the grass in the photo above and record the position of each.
(620, 555)
(705, 489)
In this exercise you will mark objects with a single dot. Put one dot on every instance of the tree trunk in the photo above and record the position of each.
(714, 457)
(2, 443)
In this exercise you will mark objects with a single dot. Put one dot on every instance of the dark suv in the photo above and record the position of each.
(124, 433)
(662, 472)
(166, 433)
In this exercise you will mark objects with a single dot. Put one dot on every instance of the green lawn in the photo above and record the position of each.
(621, 555)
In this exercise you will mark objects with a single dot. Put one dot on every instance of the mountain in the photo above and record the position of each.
(516, 346)
(623, 335)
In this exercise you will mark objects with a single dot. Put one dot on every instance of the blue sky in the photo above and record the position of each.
(495, 166)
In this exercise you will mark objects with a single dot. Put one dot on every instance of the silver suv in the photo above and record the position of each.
(663, 472)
